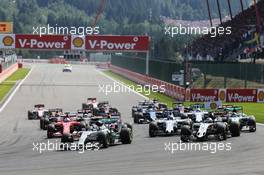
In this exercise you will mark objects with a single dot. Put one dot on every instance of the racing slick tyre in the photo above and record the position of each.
(221, 132)
(66, 138)
(50, 131)
(41, 123)
(45, 124)
(136, 118)
(84, 106)
(83, 126)
(153, 128)
(252, 125)
(87, 106)
(186, 133)
(133, 111)
(234, 129)
(30, 115)
(103, 140)
(129, 126)
(126, 135)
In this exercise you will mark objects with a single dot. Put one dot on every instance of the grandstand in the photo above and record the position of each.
(246, 40)
(7, 58)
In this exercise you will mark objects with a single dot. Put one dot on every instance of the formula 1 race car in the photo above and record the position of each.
(104, 109)
(201, 131)
(38, 112)
(168, 123)
(236, 119)
(105, 132)
(142, 106)
(145, 112)
(67, 68)
(245, 121)
(145, 115)
(64, 128)
(90, 104)
(53, 116)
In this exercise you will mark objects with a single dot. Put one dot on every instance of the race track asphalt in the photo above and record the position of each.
(47, 84)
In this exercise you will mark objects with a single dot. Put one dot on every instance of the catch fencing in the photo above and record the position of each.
(222, 72)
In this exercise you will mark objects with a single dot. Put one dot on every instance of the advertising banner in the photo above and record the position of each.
(117, 43)
(96, 43)
(204, 95)
(241, 95)
(44, 42)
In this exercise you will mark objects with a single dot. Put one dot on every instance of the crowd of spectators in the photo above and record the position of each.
(230, 47)
(199, 23)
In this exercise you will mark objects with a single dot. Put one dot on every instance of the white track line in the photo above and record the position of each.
(260, 124)
(121, 83)
(14, 91)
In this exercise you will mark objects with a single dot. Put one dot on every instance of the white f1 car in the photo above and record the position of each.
(38, 112)
(168, 123)
(67, 68)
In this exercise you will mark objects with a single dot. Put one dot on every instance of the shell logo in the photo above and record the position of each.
(222, 95)
(8, 41)
(78, 42)
(135, 39)
(261, 96)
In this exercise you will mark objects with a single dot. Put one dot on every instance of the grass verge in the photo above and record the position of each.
(256, 109)
(9, 83)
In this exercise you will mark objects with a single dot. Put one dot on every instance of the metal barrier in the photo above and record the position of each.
(8, 71)
(171, 90)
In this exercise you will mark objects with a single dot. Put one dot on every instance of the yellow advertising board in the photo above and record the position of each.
(6, 27)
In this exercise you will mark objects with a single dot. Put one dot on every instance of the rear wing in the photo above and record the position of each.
(56, 110)
(101, 104)
(91, 99)
(176, 104)
(219, 113)
(109, 120)
(94, 119)
(234, 109)
(196, 106)
(39, 106)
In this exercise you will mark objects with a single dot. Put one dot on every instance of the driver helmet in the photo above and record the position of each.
(208, 120)
(198, 110)
(99, 123)
(66, 119)
(234, 114)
